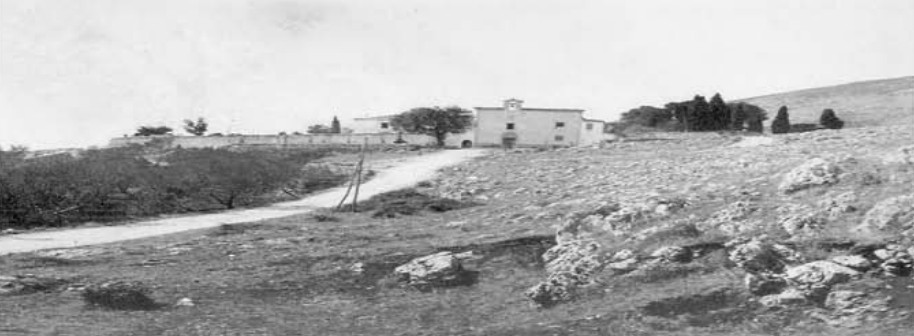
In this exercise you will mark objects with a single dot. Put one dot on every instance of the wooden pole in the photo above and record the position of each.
(349, 189)
(358, 184)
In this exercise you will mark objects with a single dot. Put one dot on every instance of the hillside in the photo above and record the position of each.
(867, 103)
(697, 234)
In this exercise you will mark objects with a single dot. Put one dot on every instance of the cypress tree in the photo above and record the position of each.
(335, 125)
(737, 117)
(781, 122)
(830, 120)
(719, 117)
(700, 118)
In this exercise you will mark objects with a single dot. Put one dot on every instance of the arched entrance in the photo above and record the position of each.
(508, 140)
(466, 144)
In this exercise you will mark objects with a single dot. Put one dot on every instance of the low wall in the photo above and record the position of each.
(305, 140)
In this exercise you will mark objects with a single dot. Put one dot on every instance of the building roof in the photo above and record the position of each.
(532, 109)
(594, 120)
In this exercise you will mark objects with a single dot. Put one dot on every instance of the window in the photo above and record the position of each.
(509, 126)
(589, 126)
(559, 124)
(559, 138)
(385, 125)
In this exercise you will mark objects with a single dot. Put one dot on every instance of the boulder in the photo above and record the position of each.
(673, 254)
(438, 268)
(789, 297)
(819, 274)
(764, 284)
(759, 257)
(853, 261)
(893, 214)
(812, 173)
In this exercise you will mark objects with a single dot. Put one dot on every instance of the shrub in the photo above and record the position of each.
(120, 296)
(802, 128)
(322, 217)
(781, 123)
(830, 120)
(113, 184)
(408, 202)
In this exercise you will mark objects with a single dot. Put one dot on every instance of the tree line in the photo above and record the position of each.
(701, 115)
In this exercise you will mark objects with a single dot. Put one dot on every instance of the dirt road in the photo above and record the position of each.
(393, 175)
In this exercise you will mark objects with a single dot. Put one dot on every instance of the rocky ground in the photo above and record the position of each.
(672, 234)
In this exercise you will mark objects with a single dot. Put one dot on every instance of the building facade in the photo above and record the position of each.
(379, 124)
(513, 125)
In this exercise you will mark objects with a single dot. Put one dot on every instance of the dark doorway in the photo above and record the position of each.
(466, 144)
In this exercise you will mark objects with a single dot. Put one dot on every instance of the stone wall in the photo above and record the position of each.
(305, 140)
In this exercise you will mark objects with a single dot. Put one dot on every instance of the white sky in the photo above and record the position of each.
(78, 72)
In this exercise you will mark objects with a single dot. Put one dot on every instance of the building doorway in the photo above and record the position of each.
(509, 140)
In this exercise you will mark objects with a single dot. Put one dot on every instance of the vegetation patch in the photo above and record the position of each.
(702, 310)
(407, 202)
(120, 183)
(118, 295)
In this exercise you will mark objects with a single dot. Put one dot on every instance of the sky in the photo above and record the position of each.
(75, 73)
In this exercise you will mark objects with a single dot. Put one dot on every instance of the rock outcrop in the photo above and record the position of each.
(436, 269)
(814, 172)
(892, 215)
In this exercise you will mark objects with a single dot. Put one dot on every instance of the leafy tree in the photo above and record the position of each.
(152, 130)
(434, 121)
(319, 129)
(335, 125)
(197, 128)
(781, 122)
(647, 116)
(829, 120)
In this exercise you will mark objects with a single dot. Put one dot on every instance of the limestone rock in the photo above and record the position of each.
(803, 224)
(896, 213)
(441, 267)
(732, 220)
(904, 155)
(185, 302)
(789, 297)
(757, 256)
(26, 284)
(819, 274)
(835, 206)
(764, 284)
(580, 257)
(570, 265)
(673, 254)
(853, 261)
(812, 173)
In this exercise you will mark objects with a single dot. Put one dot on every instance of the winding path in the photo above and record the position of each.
(401, 174)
